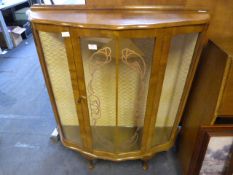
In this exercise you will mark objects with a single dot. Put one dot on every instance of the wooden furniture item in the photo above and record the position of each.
(118, 79)
(211, 98)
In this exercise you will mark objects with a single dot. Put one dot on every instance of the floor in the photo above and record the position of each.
(26, 122)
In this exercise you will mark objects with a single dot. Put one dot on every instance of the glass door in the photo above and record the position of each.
(116, 74)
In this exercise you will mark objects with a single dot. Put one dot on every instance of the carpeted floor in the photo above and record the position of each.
(26, 122)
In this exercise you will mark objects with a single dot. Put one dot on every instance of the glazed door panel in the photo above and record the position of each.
(116, 75)
(177, 69)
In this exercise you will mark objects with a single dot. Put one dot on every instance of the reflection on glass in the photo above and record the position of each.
(57, 65)
(179, 60)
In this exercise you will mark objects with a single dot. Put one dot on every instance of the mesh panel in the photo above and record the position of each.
(179, 59)
(57, 65)
(134, 73)
(102, 77)
(128, 93)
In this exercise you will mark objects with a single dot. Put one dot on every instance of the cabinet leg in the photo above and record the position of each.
(91, 164)
(145, 164)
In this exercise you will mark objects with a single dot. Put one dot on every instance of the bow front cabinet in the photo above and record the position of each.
(118, 79)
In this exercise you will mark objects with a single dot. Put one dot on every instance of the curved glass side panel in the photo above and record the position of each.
(178, 65)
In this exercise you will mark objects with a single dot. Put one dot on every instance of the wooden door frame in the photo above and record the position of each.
(69, 52)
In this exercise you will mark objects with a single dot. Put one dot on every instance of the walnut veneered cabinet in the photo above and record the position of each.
(118, 79)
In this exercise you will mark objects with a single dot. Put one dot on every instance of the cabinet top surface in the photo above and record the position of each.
(119, 19)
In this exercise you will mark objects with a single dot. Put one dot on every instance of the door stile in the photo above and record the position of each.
(81, 101)
(159, 62)
(74, 81)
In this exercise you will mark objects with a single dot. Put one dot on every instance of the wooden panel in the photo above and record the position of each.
(226, 105)
(119, 20)
(135, 2)
(200, 4)
(225, 44)
(202, 100)
(82, 89)
(221, 24)
(159, 62)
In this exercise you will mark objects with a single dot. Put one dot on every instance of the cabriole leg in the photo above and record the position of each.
(91, 164)
(145, 164)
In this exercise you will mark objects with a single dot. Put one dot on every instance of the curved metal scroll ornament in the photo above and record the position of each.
(136, 62)
(96, 61)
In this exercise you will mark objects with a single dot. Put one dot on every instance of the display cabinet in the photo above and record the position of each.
(118, 79)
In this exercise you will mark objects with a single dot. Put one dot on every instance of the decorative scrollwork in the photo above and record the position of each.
(136, 62)
(97, 60)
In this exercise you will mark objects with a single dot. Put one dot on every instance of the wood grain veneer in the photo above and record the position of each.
(119, 20)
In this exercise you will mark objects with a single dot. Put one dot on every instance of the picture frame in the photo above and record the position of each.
(213, 153)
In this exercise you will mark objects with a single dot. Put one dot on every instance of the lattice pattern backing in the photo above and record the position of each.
(132, 99)
(179, 59)
(57, 65)
(134, 74)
